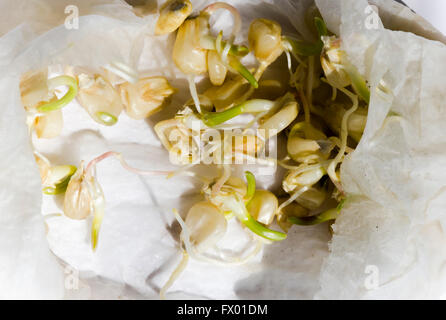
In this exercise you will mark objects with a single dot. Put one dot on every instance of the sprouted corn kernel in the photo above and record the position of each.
(44, 168)
(206, 225)
(188, 55)
(307, 178)
(246, 144)
(97, 95)
(58, 179)
(263, 206)
(172, 15)
(146, 97)
(313, 198)
(78, 201)
(332, 60)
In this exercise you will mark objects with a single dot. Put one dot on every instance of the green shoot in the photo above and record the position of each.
(235, 64)
(106, 118)
(239, 209)
(302, 48)
(67, 98)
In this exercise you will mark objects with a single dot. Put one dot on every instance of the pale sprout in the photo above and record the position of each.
(34, 89)
(355, 124)
(99, 98)
(217, 70)
(297, 179)
(78, 202)
(302, 145)
(172, 15)
(206, 224)
(265, 39)
(57, 179)
(357, 121)
(49, 125)
(205, 104)
(188, 55)
(263, 206)
(146, 97)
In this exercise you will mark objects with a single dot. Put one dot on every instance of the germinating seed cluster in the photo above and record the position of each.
(321, 110)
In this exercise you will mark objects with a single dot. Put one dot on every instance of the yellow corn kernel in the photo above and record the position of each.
(99, 98)
(206, 224)
(188, 55)
(217, 70)
(78, 201)
(265, 39)
(172, 15)
(291, 210)
(263, 206)
(146, 97)
(227, 95)
(308, 178)
(313, 198)
(332, 60)
(34, 88)
(44, 168)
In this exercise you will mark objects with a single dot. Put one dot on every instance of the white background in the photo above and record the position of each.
(432, 10)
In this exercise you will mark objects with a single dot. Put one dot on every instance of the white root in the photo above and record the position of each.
(194, 254)
(175, 275)
(331, 170)
(193, 92)
(293, 197)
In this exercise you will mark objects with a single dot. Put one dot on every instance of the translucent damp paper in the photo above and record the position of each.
(393, 226)
(392, 221)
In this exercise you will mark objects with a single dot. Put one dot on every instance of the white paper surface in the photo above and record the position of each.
(138, 245)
